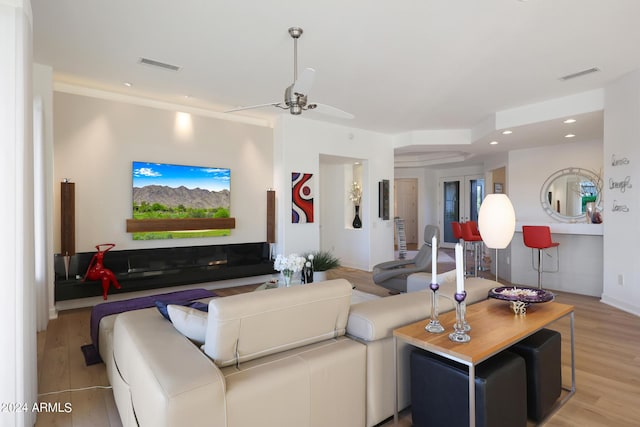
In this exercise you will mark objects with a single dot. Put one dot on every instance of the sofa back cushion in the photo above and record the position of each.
(248, 326)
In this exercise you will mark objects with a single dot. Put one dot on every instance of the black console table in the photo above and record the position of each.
(144, 269)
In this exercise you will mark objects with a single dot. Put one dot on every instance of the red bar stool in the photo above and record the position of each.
(474, 228)
(539, 237)
(457, 231)
(475, 239)
(476, 232)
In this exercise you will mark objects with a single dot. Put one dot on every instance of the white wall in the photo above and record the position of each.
(580, 256)
(43, 210)
(621, 219)
(96, 141)
(18, 375)
(299, 142)
(337, 234)
(529, 168)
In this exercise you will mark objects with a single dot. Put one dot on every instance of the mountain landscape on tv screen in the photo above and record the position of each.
(174, 197)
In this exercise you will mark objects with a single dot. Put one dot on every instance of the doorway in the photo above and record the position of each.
(406, 207)
(459, 198)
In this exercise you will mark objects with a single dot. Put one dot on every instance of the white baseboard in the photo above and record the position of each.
(622, 305)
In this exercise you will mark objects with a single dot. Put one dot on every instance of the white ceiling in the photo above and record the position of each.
(401, 67)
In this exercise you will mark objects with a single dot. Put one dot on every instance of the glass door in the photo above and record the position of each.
(450, 209)
(460, 198)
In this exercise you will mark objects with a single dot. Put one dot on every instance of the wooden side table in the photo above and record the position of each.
(494, 328)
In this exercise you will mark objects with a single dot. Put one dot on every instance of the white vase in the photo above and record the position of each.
(319, 276)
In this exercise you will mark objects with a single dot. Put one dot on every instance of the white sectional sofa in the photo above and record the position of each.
(299, 356)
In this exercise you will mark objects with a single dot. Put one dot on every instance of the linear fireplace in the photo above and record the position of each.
(144, 269)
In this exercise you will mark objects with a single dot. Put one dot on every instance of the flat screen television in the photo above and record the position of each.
(163, 191)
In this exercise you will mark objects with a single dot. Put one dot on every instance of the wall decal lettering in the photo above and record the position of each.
(620, 185)
(619, 208)
(619, 162)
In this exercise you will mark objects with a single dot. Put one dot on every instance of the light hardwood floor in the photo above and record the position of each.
(607, 365)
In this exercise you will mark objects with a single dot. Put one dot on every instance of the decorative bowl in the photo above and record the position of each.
(521, 297)
(522, 294)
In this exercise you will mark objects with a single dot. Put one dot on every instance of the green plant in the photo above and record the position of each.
(323, 260)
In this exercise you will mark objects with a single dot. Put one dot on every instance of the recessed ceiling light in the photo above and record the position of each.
(569, 121)
(569, 135)
(127, 84)
(493, 143)
(507, 132)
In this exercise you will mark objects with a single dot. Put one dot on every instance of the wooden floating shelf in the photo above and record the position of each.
(146, 225)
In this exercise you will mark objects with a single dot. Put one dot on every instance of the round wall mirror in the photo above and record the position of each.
(565, 195)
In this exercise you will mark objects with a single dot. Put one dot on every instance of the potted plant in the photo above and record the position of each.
(322, 261)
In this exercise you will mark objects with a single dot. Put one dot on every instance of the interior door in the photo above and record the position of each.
(406, 207)
(459, 199)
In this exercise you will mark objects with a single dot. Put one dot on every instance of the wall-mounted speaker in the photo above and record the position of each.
(67, 218)
(271, 216)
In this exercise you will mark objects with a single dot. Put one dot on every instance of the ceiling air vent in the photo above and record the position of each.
(580, 73)
(164, 65)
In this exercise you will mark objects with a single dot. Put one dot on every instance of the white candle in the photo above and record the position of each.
(434, 259)
(459, 269)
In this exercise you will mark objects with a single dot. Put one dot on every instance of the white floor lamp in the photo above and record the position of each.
(496, 222)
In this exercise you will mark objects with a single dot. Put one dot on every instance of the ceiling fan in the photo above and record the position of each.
(295, 96)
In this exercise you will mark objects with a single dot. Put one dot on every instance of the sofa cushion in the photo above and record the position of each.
(190, 322)
(162, 307)
(247, 326)
(373, 320)
(295, 387)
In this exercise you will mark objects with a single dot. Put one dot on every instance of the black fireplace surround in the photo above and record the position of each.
(144, 269)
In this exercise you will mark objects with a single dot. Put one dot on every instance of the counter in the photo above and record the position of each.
(566, 228)
(578, 260)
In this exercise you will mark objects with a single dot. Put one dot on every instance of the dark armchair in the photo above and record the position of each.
(393, 274)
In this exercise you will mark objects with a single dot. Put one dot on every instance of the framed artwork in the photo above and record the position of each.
(383, 199)
(497, 187)
(301, 197)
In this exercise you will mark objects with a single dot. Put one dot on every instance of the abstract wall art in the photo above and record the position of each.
(301, 197)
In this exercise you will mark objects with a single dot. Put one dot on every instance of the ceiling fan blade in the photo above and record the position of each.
(271, 104)
(331, 111)
(302, 86)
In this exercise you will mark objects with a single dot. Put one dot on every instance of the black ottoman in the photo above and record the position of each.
(541, 352)
(440, 391)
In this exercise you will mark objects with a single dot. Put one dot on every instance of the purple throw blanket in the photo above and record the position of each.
(91, 352)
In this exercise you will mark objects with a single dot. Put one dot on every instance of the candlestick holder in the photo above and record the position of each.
(463, 306)
(459, 334)
(434, 325)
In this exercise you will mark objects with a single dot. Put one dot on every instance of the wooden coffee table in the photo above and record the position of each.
(494, 328)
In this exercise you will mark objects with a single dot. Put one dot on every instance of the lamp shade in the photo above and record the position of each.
(496, 221)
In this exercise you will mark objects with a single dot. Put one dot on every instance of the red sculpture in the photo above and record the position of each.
(97, 270)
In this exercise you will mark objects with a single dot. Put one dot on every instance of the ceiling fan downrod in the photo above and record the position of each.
(295, 33)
